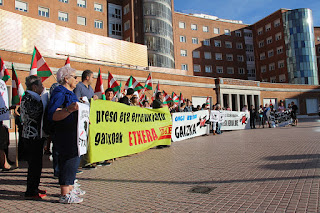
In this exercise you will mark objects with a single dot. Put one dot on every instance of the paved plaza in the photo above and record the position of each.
(261, 170)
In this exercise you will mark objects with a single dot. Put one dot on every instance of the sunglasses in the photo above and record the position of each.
(75, 77)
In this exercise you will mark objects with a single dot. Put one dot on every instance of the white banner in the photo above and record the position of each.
(231, 120)
(187, 125)
(4, 105)
(83, 128)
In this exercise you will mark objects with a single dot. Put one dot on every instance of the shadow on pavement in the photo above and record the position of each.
(14, 195)
(293, 157)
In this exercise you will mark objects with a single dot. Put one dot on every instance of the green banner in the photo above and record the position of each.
(118, 130)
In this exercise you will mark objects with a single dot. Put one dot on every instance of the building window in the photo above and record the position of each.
(280, 64)
(219, 69)
(250, 58)
(81, 20)
(273, 79)
(217, 43)
(206, 42)
(205, 29)
(262, 56)
(229, 57)
(64, 1)
(230, 70)
(260, 31)
(248, 34)
(216, 30)
(126, 9)
(280, 50)
(318, 38)
(218, 56)
(116, 29)
(261, 44)
(263, 69)
(239, 46)
(277, 23)
(249, 48)
(182, 25)
(21, 6)
(62, 16)
(269, 40)
(183, 39)
(98, 24)
(240, 58)
(228, 44)
(183, 52)
(196, 54)
(43, 11)
(208, 68)
(207, 55)
(195, 41)
(282, 78)
(82, 3)
(127, 25)
(196, 68)
(227, 32)
(194, 27)
(1, 2)
(184, 66)
(98, 7)
(268, 27)
(241, 71)
(272, 67)
(238, 33)
(270, 53)
(278, 36)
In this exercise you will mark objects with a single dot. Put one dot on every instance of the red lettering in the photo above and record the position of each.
(130, 139)
(149, 136)
(139, 137)
(154, 134)
(143, 137)
(135, 137)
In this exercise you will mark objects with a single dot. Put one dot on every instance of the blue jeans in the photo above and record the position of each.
(68, 167)
(218, 131)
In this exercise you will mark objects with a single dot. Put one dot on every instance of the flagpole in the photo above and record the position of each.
(15, 131)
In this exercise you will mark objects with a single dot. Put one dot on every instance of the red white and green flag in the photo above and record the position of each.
(113, 84)
(143, 98)
(118, 93)
(67, 64)
(181, 99)
(148, 84)
(99, 90)
(17, 89)
(208, 101)
(167, 99)
(39, 66)
(175, 98)
(4, 73)
(155, 92)
(134, 84)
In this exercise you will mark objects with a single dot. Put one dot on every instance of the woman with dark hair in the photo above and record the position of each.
(62, 110)
(31, 116)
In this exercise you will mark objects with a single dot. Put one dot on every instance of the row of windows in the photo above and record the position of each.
(208, 69)
(23, 6)
(273, 79)
(217, 43)
(269, 40)
(207, 55)
(272, 66)
(182, 25)
(62, 16)
(271, 53)
(267, 27)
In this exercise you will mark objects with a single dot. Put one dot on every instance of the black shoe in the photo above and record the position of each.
(89, 167)
(11, 162)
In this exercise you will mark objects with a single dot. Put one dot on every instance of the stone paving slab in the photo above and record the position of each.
(261, 170)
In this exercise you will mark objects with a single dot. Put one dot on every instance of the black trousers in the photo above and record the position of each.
(253, 123)
(34, 153)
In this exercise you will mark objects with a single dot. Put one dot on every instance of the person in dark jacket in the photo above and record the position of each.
(253, 115)
(31, 116)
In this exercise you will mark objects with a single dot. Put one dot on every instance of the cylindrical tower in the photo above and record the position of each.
(158, 33)
(300, 46)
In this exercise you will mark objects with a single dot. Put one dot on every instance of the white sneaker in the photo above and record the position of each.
(70, 198)
(76, 184)
(77, 191)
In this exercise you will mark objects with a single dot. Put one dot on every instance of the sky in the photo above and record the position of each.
(248, 11)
